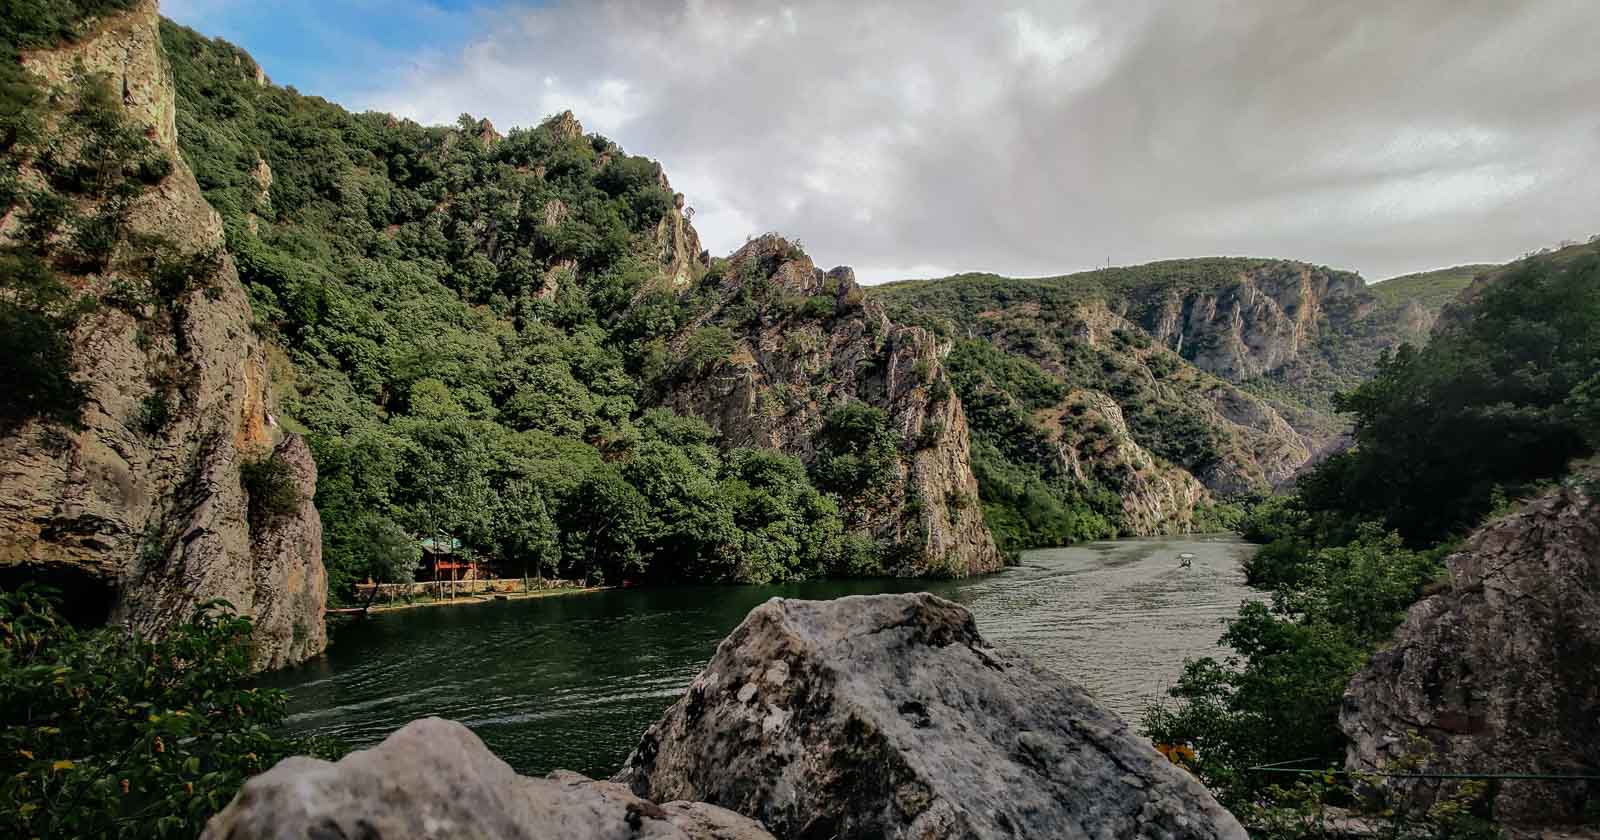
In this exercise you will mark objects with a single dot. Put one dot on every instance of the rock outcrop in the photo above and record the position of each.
(806, 340)
(289, 583)
(1095, 448)
(140, 521)
(1223, 367)
(891, 717)
(1501, 672)
(1262, 321)
(1230, 440)
(434, 779)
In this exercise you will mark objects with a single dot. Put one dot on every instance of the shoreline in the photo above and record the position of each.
(465, 600)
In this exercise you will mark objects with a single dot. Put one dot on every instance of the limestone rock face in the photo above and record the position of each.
(1157, 498)
(890, 717)
(806, 340)
(434, 779)
(289, 582)
(1501, 673)
(1258, 445)
(1265, 319)
(150, 521)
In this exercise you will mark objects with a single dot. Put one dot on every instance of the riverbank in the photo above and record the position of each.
(487, 597)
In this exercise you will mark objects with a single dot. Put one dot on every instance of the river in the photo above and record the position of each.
(571, 681)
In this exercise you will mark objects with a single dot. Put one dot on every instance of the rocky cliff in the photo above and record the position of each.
(139, 512)
(1501, 671)
(891, 717)
(1095, 448)
(1267, 319)
(802, 341)
(1219, 368)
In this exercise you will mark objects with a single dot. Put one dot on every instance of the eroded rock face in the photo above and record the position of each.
(1263, 321)
(1501, 673)
(807, 340)
(152, 517)
(1259, 446)
(890, 716)
(289, 582)
(1095, 448)
(433, 778)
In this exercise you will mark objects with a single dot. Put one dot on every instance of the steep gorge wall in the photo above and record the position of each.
(789, 366)
(152, 523)
(1263, 321)
(1500, 672)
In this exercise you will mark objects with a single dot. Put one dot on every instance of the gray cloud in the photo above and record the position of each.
(1034, 138)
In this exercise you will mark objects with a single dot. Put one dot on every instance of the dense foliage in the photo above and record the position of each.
(1495, 402)
(472, 327)
(1501, 399)
(1028, 500)
(106, 734)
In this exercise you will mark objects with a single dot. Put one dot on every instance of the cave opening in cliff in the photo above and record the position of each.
(84, 598)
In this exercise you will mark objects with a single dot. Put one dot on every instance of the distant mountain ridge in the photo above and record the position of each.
(1222, 368)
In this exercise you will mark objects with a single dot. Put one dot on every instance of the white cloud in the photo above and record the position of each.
(1039, 137)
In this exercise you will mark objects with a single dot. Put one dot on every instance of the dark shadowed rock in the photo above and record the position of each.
(433, 778)
(889, 716)
(1501, 673)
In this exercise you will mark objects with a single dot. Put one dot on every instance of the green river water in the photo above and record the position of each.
(571, 681)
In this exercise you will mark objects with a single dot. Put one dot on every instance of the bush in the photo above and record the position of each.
(271, 486)
(857, 450)
(817, 306)
(155, 412)
(1277, 694)
(37, 314)
(106, 734)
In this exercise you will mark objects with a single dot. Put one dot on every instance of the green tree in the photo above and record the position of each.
(858, 450)
(106, 734)
(1490, 404)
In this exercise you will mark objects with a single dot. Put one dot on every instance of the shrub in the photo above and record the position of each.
(37, 314)
(271, 486)
(817, 306)
(106, 734)
(155, 412)
(857, 450)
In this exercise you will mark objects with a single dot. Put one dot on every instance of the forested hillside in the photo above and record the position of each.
(472, 331)
(1498, 406)
(1098, 398)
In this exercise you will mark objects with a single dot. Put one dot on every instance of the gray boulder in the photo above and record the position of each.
(433, 778)
(1501, 672)
(889, 716)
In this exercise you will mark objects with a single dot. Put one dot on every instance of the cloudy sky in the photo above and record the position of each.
(924, 138)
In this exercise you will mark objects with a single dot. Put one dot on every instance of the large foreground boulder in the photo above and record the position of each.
(1501, 672)
(889, 716)
(434, 779)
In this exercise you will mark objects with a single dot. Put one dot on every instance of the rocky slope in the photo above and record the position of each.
(804, 341)
(1219, 370)
(890, 716)
(139, 521)
(1501, 671)
(1415, 301)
